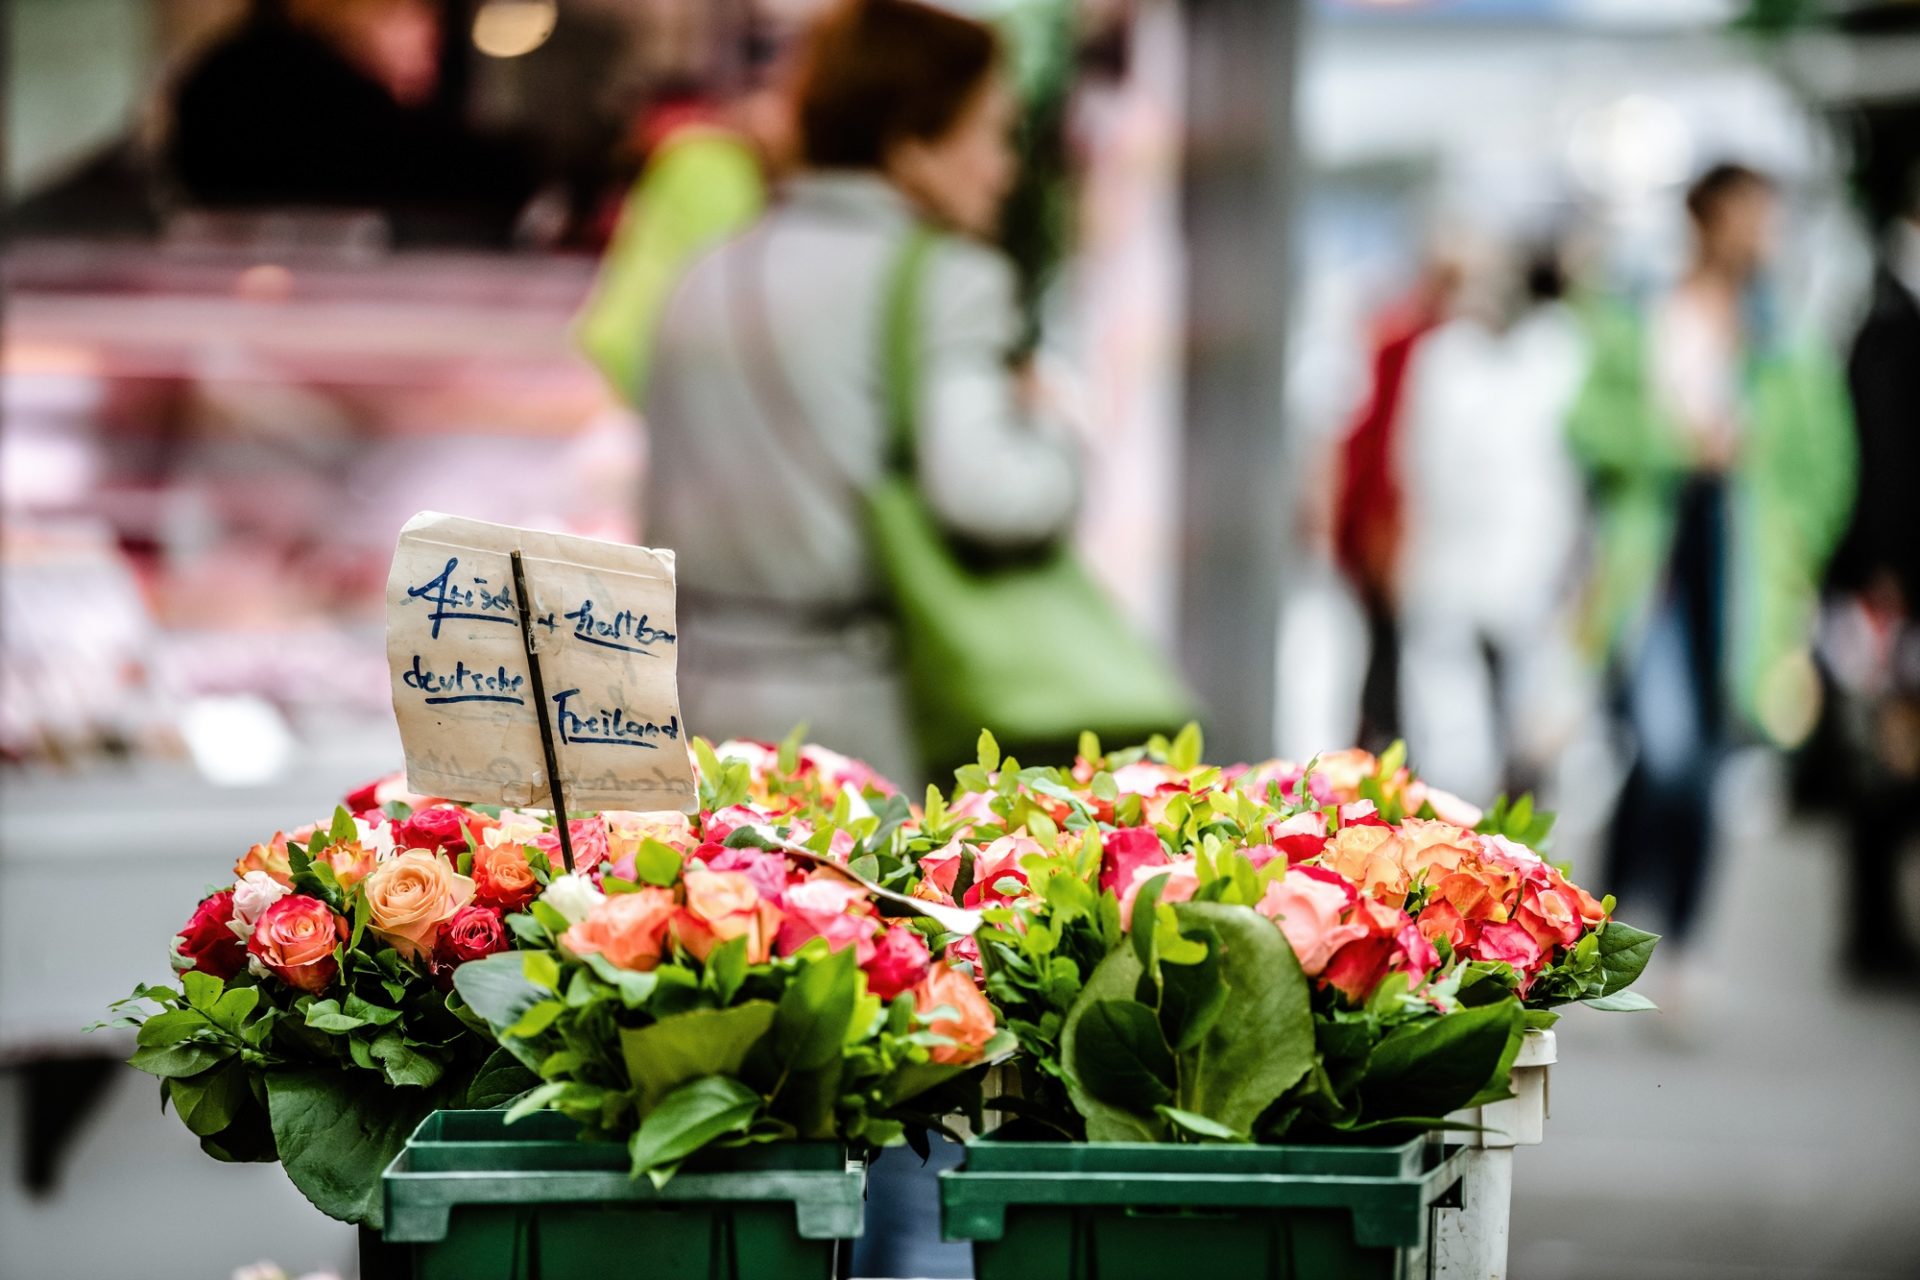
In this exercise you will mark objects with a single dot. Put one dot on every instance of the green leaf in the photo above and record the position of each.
(1262, 1043)
(542, 969)
(688, 1119)
(726, 970)
(1187, 749)
(230, 1011)
(1437, 1065)
(336, 1136)
(788, 757)
(404, 1065)
(1192, 995)
(988, 751)
(657, 863)
(500, 1079)
(1200, 1126)
(536, 1019)
(1624, 952)
(176, 1061)
(171, 1026)
(343, 830)
(208, 1103)
(203, 989)
(686, 1046)
(326, 1015)
(1621, 1002)
(496, 987)
(1120, 1057)
(810, 1025)
(535, 1099)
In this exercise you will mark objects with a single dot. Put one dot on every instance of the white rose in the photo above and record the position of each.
(572, 896)
(377, 836)
(253, 893)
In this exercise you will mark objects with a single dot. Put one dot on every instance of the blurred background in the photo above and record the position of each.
(1536, 380)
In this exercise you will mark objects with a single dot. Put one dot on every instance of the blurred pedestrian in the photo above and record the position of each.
(765, 402)
(1876, 576)
(1368, 516)
(334, 103)
(1492, 503)
(1721, 462)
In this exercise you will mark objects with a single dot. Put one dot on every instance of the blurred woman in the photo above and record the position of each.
(765, 396)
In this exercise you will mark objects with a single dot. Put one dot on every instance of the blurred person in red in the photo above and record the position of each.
(766, 402)
(1717, 443)
(1873, 638)
(1368, 513)
(334, 104)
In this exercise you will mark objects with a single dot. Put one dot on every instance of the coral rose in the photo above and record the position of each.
(209, 943)
(629, 929)
(410, 895)
(722, 906)
(968, 1020)
(1386, 934)
(1307, 904)
(270, 858)
(1369, 858)
(502, 877)
(294, 941)
(900, 961)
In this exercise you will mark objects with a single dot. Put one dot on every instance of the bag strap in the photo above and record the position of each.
(900, 347)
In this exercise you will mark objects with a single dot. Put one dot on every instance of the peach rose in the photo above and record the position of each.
(270, 858)
(1306, 904)
(410, 895)
(294, 940)
(1433, 846)
(629, 929)
(1369, 858)
(722, 906)
(971, 1024)
(351, 861)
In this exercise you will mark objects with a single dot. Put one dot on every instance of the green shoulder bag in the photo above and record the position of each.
(1032, 649)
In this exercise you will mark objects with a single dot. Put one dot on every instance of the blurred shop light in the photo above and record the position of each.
(510, 28)
(237, 740)
(1630, 147)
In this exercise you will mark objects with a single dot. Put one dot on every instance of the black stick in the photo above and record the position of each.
(540, 713)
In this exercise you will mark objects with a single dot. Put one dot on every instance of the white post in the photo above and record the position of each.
(1470, 1243)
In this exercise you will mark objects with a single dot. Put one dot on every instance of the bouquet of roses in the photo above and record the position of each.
(743, 989)
(1260, 953)
(316, 1019)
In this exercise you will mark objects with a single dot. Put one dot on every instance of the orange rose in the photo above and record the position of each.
(629, 929)
(503, 878)
(971, 1024)
(352, 862)
(1369, 858)
(410, 895)
(721, 906)
(1433, 846)
(294, 938)
(270, 858)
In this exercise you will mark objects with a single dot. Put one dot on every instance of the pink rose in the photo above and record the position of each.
(1126, 851)
(719, 825)
(999, 861)
(767, 871)
(1307, 905)
(294, 941)
(436, 829)
(1509, 944)
(940, 871)
(900, 961)
(831, 908)
(1182, 882)
(208, 943)
(589, 839)
(473, 932)
(1550, 914)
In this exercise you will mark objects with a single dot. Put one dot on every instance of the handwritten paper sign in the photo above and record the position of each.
(603, 624)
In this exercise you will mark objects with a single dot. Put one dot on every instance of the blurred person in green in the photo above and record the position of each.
(767, 403)
(1720, 456)
(709, 167)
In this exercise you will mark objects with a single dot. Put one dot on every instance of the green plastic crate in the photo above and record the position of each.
(472, 1198)
(1140, 1211)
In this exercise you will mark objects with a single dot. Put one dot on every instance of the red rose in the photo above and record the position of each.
(295, 937)
(434, 829)
(365, 798)
(207, 943)
(1124, 852)
(900, 960)
(472, 933)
